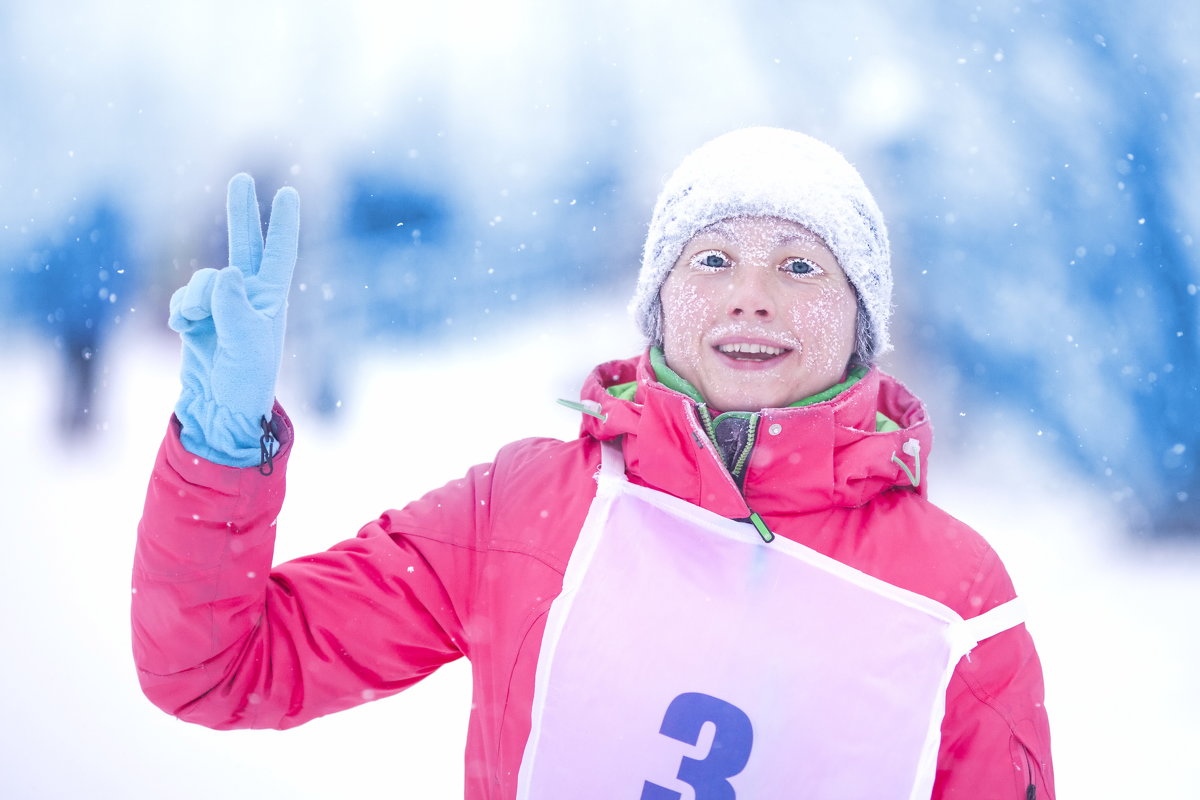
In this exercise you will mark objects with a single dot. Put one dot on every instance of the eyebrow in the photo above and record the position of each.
(720, 228)
(807, 238)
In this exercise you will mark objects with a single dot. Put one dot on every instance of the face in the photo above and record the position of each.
(758, 314)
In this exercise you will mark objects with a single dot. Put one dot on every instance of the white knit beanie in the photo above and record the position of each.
(778, 173)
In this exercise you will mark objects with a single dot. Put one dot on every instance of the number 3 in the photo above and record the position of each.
(727, 757)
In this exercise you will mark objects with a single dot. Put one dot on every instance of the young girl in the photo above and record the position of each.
(730, 585)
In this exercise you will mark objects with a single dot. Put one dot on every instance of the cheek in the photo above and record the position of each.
(682, 301)
(827, 324)
(685, 311)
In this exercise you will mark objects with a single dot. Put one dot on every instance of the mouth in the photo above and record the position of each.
(752, 352)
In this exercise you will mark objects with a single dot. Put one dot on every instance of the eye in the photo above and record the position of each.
(711, 260)
(801, 266)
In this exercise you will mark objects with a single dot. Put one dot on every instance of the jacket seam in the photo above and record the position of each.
(496, 547)
(540, 611)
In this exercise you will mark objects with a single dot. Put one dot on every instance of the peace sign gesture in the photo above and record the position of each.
(232, 322)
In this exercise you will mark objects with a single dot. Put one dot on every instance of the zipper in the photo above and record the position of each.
(751, 440)
(1031, 789)
(736, 475)
(706, 418)
(743, 456)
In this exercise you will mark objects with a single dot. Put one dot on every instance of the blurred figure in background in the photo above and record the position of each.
(70, 287)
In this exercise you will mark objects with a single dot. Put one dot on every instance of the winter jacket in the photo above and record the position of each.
(223, 639)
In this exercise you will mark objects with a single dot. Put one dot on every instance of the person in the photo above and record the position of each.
(68, 288)
(731, 584)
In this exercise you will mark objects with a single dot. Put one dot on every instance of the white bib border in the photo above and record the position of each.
(609, 478)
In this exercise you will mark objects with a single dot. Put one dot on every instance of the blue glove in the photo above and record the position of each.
(231, 322)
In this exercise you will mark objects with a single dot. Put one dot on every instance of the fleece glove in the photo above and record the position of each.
(232, 321)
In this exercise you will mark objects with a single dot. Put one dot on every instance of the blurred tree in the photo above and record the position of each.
(1061, 274)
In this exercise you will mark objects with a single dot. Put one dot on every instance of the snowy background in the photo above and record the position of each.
(475, 181)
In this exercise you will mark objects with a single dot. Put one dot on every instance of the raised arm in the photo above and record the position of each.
(220, 636)
(224, 639)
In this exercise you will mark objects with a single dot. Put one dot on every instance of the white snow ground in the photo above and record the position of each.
(1115, 623)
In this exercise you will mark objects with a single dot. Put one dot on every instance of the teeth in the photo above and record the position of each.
(751, 349)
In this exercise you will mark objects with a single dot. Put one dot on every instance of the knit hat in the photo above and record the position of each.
(778, 173)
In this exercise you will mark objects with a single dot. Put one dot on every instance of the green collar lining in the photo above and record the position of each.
(669, 377)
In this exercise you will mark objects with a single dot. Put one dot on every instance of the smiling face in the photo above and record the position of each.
(758, 314)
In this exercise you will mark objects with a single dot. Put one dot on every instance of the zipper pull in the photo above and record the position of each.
(267, 447)
(763, 531)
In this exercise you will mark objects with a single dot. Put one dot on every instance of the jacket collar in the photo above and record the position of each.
(805, 459)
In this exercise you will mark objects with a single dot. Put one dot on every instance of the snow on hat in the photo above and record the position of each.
(778, 173)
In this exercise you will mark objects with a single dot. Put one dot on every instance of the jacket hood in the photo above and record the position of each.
(805, 459)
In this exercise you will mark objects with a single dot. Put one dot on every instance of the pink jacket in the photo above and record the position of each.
(224, 639)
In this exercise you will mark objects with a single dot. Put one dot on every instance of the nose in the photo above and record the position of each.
(750, 293)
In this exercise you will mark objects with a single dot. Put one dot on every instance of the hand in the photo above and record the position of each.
(232, 322)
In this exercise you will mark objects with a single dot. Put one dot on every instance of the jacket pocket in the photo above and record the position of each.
(1027, 770)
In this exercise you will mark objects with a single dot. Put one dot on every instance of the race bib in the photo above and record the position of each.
(686, 658)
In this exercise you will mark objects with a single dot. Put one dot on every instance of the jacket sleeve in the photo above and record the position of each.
(222, 639)
(996, 734)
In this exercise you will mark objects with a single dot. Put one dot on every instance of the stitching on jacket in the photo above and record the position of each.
(538, 555)
(540, 611)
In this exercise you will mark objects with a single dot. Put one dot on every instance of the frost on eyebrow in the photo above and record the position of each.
(755, 237)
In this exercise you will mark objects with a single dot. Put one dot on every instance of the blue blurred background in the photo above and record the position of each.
(463, 165)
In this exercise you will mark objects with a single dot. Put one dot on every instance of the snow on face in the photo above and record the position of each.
(770, 172)
(757, 313)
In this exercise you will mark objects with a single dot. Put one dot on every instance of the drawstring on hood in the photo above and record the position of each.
(590, 407)
(911, 448)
